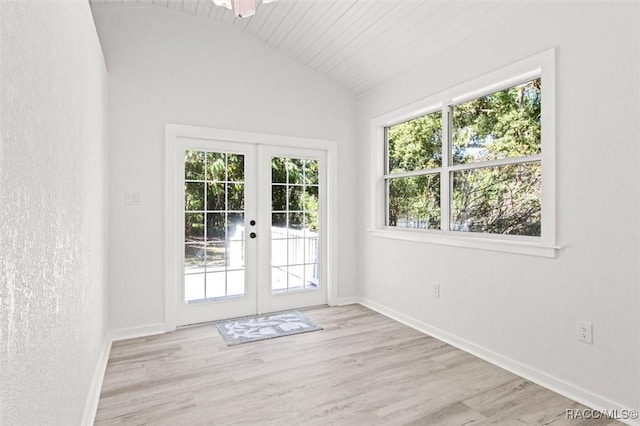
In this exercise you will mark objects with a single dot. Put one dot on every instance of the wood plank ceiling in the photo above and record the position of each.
(356, 43)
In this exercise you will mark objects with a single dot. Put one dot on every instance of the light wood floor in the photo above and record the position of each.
(362, 369)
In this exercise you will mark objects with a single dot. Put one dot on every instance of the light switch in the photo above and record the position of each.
(132, 199)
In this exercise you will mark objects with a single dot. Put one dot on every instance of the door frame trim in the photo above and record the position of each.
(173, 133)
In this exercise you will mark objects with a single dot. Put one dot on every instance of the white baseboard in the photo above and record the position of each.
(348, 301)
(93, 397)
(141, 331)
(543, 379)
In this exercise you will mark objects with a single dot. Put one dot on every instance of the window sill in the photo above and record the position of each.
(492, 244)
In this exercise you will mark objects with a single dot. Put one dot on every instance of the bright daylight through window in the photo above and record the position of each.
(479, 172)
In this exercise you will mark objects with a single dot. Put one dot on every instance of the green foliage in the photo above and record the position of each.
(311, 208)
(415, 201)
(500, 125)
(194, 165)
(213, 182)
(498, 200)
(216, 167)
(194, 196)
(503, 199)
(221, 177)
(415, 144)
(295, 189)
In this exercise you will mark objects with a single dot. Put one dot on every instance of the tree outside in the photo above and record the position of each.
(501, 199)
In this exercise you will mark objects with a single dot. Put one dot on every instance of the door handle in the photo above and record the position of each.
(253, 235)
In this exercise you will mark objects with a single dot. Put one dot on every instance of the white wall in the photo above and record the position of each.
(166, 66)
(520, 310)
(53, 315)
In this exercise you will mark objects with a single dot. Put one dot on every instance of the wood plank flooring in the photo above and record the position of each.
(362, 369)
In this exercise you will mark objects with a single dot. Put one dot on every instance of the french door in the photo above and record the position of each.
(253, 222)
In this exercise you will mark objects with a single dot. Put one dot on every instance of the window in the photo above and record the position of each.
(468, 169)
(413, 161)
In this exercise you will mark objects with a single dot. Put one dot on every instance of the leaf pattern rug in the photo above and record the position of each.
(251, 329)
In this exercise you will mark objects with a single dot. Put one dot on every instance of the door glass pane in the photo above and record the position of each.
(193, 287)
(311, 172)
(235, 196)
(235, 283)
(279, 197)
(295, 224)
(235, 168)
(296, 198)
(214, 214)
(216, 256)
(295, 171)
(278, 171)
(194, 165)
(235, 226)
(194, 258)
(216, 166)
(193, 196)
(216, 285)
(193, 227)
(278, 279)
(215, 196)
(235, 255)
(216, 227)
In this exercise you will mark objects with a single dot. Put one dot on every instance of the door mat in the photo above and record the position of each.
(251, 329)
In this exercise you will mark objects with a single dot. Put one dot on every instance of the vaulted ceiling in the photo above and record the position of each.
(356, 43)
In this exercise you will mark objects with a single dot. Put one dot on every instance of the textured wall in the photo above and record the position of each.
(52, 211)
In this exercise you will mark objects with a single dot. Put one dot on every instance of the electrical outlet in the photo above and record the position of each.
(585, 332)
(436, 290)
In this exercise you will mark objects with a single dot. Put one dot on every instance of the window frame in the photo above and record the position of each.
(540, 66)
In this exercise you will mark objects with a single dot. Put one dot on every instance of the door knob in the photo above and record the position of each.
(253, 235)
(252, 223)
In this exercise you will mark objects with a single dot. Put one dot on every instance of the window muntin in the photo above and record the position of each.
(492, 181)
